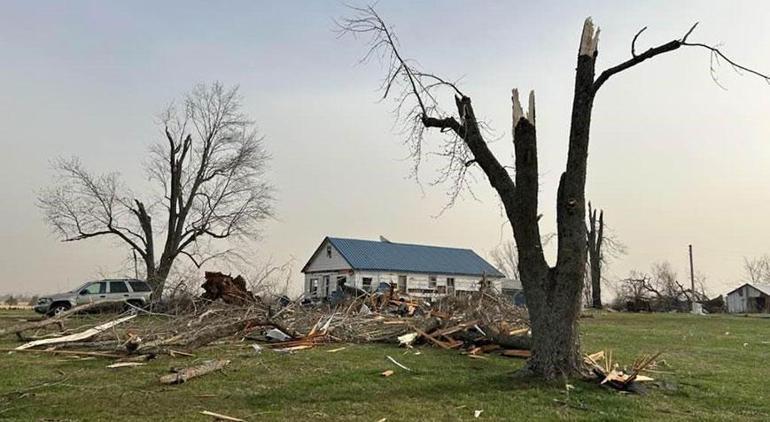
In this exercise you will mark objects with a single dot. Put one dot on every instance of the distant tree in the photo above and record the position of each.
(659, 290)
(210, 170)
(757, 269)
(601, 247)
(11, 301)
(553, 293)
(33, 300)
(506, 258)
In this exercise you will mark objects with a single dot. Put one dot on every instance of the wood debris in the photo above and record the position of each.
(220, 416)
(186, 374)
(610, 373)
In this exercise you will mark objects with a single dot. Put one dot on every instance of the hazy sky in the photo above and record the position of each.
(674, 159)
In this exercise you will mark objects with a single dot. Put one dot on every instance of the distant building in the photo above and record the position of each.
(749, 298)
(510, 288)
(417, 270)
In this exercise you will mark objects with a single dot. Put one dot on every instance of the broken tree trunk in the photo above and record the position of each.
(77, 336)
(595, 239)
(230, 290)
(44, 322)
(186, 374)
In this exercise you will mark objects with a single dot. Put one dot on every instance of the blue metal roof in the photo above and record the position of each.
(388, 256)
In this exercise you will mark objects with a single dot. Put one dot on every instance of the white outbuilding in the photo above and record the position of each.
(749, 298)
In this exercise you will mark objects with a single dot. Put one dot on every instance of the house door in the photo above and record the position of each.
(341, 280)
(327, 282)
(402, 283)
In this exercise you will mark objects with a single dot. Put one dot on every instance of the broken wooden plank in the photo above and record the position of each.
(517, 353)
(186, 374)
(77, 336)
(398, 364)
(66, 352)
(220, 416)
(431, 338)
(126, 364)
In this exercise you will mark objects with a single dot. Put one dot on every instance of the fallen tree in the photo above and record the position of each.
(57, 319)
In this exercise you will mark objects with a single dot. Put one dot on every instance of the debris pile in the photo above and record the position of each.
(230, 290)
(475, 324)
(610, 373)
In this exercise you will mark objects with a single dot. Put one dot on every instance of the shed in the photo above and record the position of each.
(749, 298)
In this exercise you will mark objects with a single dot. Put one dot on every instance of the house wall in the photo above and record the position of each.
(415, 282)
(747, 300)
(323, 262)
(736, 301)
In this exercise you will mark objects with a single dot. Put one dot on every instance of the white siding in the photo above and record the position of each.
(322, 262)
(736, 301)
(413, 281)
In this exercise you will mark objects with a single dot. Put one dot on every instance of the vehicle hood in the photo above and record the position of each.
(60, 296)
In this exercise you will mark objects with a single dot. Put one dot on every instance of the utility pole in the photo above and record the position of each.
(692, 281)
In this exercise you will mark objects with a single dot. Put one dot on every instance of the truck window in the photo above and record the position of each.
(139, 286)
(96, 288)
(118, 287)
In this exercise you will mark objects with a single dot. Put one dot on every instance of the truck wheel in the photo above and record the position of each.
(58, 308)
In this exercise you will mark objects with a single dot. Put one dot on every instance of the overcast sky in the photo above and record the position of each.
(674, 159)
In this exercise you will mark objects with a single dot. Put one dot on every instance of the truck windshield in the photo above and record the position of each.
(81, 287)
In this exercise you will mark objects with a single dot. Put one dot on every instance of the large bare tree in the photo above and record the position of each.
(210, 170)
(553, 292)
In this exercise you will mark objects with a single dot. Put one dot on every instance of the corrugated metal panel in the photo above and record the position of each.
(401, 257)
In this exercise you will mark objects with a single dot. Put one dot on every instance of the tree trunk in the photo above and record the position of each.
(595, 240)
(156, 277)
(555, 337)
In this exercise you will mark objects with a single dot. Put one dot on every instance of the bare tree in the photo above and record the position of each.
(210, 169)
(602, 246)
(506, 258)
(660, 290)
(757, 270)
(553, 293)
(595, 239)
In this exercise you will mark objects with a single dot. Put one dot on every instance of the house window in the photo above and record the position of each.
(402, 283)
(432, 282)
(341, 280)
(329, 251)
(313, 286)
(366, 283)
(450, 285)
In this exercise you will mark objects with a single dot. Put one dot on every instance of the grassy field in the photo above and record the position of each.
(716, 370)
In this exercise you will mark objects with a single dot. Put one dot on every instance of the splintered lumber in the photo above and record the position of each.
(398, 364)
(186, 374)
(388, 373)
(220, 416)
(77, 336)
(66, 352)
(126, 365)
(44, 322)
(431, 338)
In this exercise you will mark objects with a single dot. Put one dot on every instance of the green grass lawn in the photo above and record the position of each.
(717, 371)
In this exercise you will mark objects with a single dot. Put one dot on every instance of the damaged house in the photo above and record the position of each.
(749, 298)
(417, 270)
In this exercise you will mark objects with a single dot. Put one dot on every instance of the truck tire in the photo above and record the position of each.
(58, 307)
